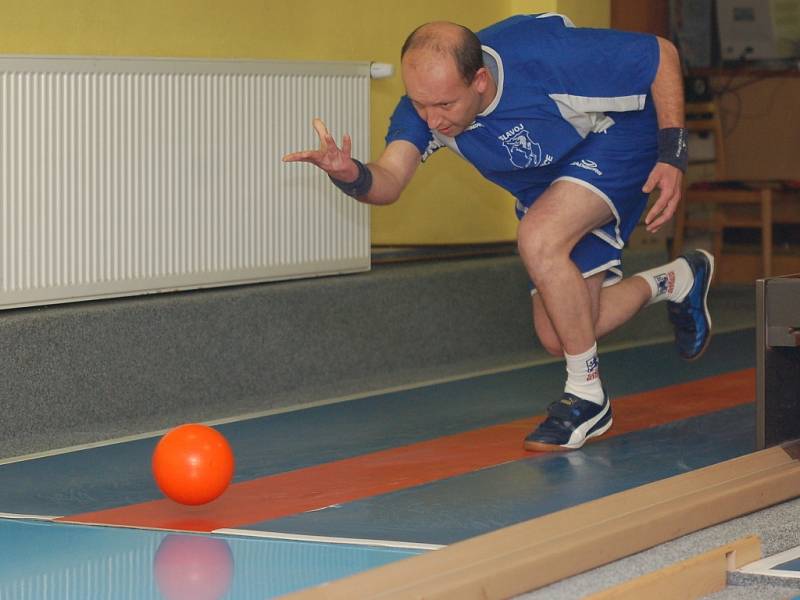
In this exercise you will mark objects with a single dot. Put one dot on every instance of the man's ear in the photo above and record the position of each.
(481, 80)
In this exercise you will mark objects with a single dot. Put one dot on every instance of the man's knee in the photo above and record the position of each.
(532, 239)
(540, 247)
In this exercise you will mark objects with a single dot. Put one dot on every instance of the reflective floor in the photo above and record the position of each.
(44, 560)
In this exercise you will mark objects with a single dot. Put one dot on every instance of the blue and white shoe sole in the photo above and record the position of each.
(705, 304)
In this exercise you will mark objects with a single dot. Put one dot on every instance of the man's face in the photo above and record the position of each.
(439, 93)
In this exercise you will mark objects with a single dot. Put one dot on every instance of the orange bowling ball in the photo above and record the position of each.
(193, 464)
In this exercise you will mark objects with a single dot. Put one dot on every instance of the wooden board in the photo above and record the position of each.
(533, 554)
(696, 577)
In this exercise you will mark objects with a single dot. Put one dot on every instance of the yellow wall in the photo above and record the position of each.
(446, 202)
(587, 13)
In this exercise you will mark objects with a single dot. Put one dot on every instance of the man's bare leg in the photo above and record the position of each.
(615, 305)
(571, 312)
(612, 307)
(555, 223)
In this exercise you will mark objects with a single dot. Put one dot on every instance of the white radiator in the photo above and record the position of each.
(131, 176)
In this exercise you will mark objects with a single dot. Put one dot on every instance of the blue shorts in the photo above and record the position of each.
(615, 165)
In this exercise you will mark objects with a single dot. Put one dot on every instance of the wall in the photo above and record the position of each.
(634, 15)
(762, 126)
(447, 201)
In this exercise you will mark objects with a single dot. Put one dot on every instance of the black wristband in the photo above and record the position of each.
(672, 147)
(360, 186)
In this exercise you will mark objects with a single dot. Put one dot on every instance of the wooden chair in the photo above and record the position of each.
(731, 203)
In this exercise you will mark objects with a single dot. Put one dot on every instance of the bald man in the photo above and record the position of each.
(580, 125)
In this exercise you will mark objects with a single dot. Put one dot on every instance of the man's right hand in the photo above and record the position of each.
(335, 161)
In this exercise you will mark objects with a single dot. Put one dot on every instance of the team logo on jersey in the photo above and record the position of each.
(522, 150)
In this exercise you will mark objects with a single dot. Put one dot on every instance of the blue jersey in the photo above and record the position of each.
(556, 85)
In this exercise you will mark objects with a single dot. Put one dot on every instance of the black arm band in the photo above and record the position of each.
(672, 147)
(360, 186)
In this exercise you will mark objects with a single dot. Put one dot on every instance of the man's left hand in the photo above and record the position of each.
(668, 180)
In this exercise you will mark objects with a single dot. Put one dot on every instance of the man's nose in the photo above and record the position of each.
(434, 119)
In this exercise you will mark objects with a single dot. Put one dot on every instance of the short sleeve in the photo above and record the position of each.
(406, 124)
(602, 63)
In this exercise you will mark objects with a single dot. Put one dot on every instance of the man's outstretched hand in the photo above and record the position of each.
(668, 180)
(335, 161)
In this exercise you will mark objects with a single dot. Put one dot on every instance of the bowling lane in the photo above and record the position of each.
(53, 561)
(339, 482)
(119, 474)
(457, 508)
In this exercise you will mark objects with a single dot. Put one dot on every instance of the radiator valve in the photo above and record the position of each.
(380, 70)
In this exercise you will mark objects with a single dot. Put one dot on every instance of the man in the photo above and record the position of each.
(580, 125)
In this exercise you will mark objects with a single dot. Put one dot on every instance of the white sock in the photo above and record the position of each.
(669, 282)
(583, 375)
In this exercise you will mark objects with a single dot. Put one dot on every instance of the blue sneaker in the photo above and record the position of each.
(569, 423)
(690, 318)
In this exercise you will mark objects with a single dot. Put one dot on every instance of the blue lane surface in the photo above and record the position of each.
(792, 565)
(119, 475)
(461, 507)
(48, 561)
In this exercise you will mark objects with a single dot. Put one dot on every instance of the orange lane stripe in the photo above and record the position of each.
(386, 471)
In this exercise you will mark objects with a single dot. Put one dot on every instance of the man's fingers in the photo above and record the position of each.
(311, 156)
(320, 128)
(655, 218)
(667, 179)
(295, 156)
(323, 133)
(656, 225)
(661, 212)
(650, 184)
(330, 158)
(653, 213)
